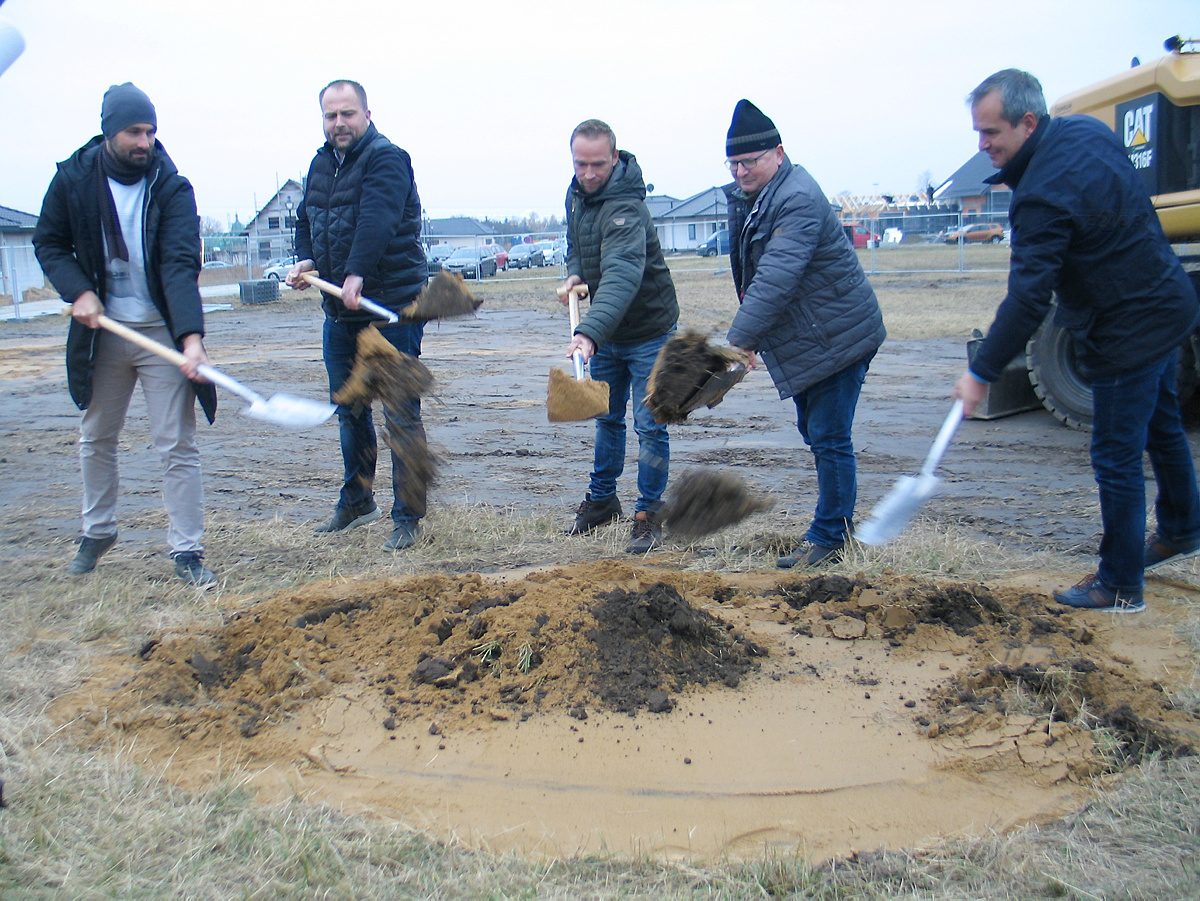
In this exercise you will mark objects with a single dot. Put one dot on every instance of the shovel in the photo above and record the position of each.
(573, 400)
(369, 305)
(445, 297)
(892, 513)
(281, 409)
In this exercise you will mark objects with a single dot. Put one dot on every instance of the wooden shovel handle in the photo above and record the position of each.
(366, 303)
(133, 335)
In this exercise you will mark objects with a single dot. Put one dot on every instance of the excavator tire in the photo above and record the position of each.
(1050, 357)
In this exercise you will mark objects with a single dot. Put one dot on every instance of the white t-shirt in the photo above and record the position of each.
(128, 296)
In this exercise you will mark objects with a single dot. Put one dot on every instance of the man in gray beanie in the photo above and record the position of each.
(806, 307)
(118, 235)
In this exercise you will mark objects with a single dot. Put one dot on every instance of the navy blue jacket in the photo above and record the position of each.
(362, 216)
(1083, 226)
(69, 245)
(806, 304)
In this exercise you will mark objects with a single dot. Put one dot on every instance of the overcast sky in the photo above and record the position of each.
(868, 95)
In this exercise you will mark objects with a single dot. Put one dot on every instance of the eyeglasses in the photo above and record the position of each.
(748, 165)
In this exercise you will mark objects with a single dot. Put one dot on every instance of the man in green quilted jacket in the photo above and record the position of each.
(612, 248)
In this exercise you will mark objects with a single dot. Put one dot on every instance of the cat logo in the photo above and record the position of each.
(1137, 126)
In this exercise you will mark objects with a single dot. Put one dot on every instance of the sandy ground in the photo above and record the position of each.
(877, 713)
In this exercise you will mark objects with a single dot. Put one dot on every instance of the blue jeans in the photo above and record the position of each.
(825, 415)
(356, 427)
(626, 367)
(1134, 412)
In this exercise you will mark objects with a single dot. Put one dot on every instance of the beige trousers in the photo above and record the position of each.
(171, 409)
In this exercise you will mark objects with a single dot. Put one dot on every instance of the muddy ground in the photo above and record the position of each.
(628, 704)
(1024, 478)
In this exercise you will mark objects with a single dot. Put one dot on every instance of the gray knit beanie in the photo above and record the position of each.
(125, 105)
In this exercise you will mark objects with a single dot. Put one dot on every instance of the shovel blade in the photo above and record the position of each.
(290, 412)
(892, 514)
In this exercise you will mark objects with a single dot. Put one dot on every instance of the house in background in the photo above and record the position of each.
(457, 231)
(685, 224)
(19, 269)
(966, 190)
(272, 231)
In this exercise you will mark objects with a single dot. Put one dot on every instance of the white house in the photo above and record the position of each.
(19, 269)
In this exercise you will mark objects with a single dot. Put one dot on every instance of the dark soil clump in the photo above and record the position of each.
(653, 641)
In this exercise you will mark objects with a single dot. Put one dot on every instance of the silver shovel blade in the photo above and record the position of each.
(892, 514)
(291, 412)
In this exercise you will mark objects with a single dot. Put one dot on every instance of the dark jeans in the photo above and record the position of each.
(825, 415)
(357, 427)
(626, 367)
(1135, 412)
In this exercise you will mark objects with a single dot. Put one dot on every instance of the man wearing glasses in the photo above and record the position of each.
(806, 307)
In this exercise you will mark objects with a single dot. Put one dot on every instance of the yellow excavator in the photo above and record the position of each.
(1155, 109)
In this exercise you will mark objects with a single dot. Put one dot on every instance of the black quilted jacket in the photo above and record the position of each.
(362, 216)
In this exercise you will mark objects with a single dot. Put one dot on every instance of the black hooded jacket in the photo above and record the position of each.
(69, 244)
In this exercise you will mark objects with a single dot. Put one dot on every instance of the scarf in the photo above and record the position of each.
(106, 168)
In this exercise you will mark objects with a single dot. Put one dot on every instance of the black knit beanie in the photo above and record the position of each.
(125, 105)
(750, 130)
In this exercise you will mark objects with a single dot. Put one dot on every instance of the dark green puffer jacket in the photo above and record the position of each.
(613, 247)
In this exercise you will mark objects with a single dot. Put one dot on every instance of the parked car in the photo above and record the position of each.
(471, 262)
(979, 233)
(279, 267)
(499, 253)
(860, 235)
(552, 254)
(217, 264)
(439, 252)
(523, 256)
(717, 243)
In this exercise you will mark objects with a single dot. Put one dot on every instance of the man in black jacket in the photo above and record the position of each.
(360, 226)
(118, 235)
(1083, 226)
(612, 247)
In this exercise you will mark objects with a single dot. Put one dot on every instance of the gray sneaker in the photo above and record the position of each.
(809, 554)
(593, 513)
(346, 518)
(404, 536)
(90, 550)
(188, 566)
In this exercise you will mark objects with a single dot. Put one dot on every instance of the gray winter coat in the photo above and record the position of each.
(806, 305)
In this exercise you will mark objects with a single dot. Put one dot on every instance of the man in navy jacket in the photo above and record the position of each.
(1083, 226)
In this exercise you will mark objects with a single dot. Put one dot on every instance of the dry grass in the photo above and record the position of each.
(87, 824)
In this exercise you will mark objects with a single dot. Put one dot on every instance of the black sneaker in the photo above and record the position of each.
(188, 566)
(345, 518)
(646, 535)
(1160, 552)
(595, 513)
(404, 536)
(90, 550)
(809, 554)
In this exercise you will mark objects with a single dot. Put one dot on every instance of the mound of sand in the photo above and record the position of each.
(730, 711)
